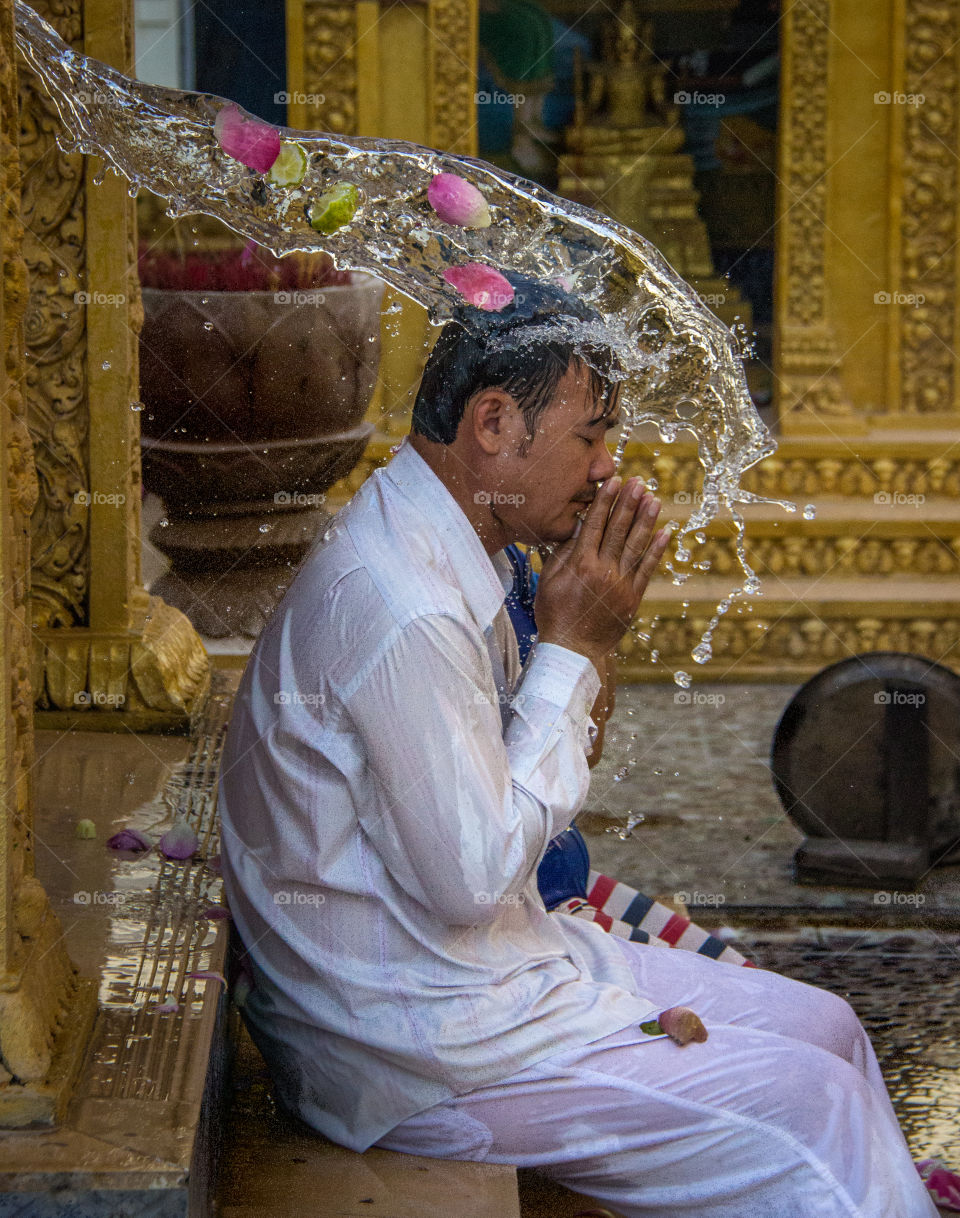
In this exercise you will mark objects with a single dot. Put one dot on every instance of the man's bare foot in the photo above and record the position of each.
(682, 1025)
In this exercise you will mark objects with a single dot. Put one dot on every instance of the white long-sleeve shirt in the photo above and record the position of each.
(382, 823)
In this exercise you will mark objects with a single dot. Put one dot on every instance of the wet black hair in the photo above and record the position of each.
(520, 349)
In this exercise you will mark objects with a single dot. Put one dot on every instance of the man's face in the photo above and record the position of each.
(548, 482)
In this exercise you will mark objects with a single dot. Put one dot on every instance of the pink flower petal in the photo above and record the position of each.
(247, 139)
(480, 285)
(457, 201)
(944, 1187)
(179, 842)
(129, 839)
(208, 975)
(248, 251)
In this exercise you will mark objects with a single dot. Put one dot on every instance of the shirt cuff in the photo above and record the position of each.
(562, 677)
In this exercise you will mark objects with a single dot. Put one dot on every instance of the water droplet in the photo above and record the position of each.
(164, 524)
(106, 365)
(265, 528)
(682, 679)
(136, 406)
(208, 325)
(701, 653)
(809, 512)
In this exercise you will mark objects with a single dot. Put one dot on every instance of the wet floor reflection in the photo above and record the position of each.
(905, 986)
(136, 921)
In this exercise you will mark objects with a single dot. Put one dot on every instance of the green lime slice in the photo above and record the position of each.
(651, 1028)
(335, 208)
(290, 167)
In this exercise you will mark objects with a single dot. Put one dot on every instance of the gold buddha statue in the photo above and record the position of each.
(623, 156)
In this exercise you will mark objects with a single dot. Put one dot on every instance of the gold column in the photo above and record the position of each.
(396, 71)
(869, 229)
(103, 648)
(46, 1010)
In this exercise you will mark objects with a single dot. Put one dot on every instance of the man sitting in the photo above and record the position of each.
(391, 779)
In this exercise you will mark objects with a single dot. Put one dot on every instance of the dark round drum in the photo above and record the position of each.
(870, 749)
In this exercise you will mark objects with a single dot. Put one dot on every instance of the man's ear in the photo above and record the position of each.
(490, 419)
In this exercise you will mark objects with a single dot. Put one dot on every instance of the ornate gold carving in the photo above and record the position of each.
(866, 552)
(794, 473)
(928, 213)
(165, 670)
(20, 477)
(781, 645)
(329, 67)
(808, 378)
(804, 163)
(453, 74)
(329, 90)
(52, 206)
(45, 1010)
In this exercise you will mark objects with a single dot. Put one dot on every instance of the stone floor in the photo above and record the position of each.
(698, 774)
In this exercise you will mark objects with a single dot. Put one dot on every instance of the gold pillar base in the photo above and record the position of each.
(46, 1014)
(155, 678)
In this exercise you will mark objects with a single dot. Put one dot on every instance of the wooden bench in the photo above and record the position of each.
(273, 1166)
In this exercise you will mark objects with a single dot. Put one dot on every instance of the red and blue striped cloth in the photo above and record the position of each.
(622, 910)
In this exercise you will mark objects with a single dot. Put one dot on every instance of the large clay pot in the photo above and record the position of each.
(252, 408)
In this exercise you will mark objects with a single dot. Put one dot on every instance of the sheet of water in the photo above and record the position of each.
(683, 369)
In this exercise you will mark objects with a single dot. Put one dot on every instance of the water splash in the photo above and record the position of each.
(682, 367)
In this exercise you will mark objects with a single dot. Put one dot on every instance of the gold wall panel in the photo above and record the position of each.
(867, 315)
(395, 71)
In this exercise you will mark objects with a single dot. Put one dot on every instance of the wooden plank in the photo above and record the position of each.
(277, 1167)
